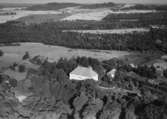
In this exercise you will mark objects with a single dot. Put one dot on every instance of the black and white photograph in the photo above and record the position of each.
(83, 59)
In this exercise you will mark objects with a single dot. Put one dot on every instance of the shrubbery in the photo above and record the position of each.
(26, 56)
(22, 68)
(165, 73)
(1, 53)
(145, 71)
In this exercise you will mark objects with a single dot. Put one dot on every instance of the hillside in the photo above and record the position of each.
(57, 6)
(146, 7)
(95, 6)
(5, 5)
(113, 6)
(52, 6)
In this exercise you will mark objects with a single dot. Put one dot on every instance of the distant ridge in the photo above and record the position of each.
(52, 6)
(5, 5)
(147, 7)
(57, 6)
(99, 5)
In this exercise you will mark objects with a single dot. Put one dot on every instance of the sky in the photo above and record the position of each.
(87, 1)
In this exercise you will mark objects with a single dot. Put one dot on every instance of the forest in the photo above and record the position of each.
(48, 33)
(140, 19)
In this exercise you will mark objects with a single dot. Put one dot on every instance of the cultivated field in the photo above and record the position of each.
(89, 14)
(99, 14)
(22, 13)
(44, 18)
(69, 14)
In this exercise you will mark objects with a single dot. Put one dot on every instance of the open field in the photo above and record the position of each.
(15, 53)
(112, 31)
(22, 13)
(99, 14)
(68, 13)
(44, 18)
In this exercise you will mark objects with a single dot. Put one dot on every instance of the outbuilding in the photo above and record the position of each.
(112, 73)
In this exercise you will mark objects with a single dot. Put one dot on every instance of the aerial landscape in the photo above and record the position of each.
(83, 60)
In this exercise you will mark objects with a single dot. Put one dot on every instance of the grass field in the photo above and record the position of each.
(112, 31)
(37, 19)
(15, 53)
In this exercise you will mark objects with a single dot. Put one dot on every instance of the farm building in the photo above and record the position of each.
(160, 67)
(112, 73)
(83, 73)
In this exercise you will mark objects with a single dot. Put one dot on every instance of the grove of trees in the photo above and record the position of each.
(54, 95)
